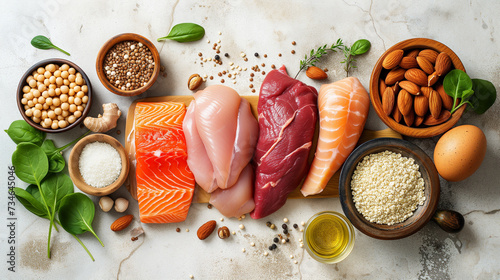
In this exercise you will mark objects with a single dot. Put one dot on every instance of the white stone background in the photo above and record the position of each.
(470, 28)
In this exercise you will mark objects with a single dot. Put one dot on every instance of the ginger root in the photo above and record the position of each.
(105, 122)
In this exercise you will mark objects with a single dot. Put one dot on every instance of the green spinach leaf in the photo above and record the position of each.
(31, 163)
(44, 43)
(20, 131)
(31, 203)
(456, 83)
(185, 32)
(55, 187)
(484, 96)
(76, 214)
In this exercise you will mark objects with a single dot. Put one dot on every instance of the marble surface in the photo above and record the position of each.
(470, 28)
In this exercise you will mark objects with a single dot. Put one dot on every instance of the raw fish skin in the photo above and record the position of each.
(287, 120)
(343, 110)
(216, 118)
(165, 185)
(198, 160)
(238, 199)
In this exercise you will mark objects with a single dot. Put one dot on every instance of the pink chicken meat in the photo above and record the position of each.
(287, 120)
(343, 109)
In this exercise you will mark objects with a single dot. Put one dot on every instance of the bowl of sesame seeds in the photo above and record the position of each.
(389, 188)
(128, 64)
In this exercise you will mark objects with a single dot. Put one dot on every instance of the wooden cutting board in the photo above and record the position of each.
(200, 196)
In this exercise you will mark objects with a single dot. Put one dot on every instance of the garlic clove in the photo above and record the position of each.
(106, 203)
(121, 204)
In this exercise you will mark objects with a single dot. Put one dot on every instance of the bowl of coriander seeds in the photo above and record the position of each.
(54, 95)
(128, 64)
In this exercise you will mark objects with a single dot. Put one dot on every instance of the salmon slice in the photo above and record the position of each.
(343, 109)
(165, 185)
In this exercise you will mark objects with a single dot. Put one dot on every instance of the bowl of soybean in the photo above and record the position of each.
(103, 167)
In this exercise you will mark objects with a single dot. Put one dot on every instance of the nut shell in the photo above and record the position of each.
(194, 81)
(223, 232)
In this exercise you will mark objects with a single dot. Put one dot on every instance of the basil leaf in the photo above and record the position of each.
(20, 131)
(31, 163)
(484, 96)
(44, 43)
(185, 32)
(55, 187)
(456, 83)
(76, 214)
(360, 47)
(31, 203)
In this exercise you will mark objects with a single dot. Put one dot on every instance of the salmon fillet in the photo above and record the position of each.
(343, 109)
(165, 185)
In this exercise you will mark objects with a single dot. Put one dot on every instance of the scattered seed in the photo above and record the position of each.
(326, 69)
(295, 226)
(251, 74)
(266, 253)
(293, 51)
(211, 78)
(301, 230)
(265, 55)
(263, 65)
(251, 79)
(220, 33)
(291, 256)
(118, 132)
(293, 43)
(271, 247)
(222, 219)
(284, 226)
(276, 240)
(243, 250)
(224, 72)
(251, 86)
(285, 231)
(300, 239)
(253, 90)
(218, 41)
(287, 240)
(256, 54)
(187, 230)
(243, 54)
(272, 225)
(234, 82)
(263, 72)
(301, 245)
(134, 238)
(295, 262)
(273, 66)
(208, 41)
(252, 244)
(178, 229)
(226, 55)
(222, 81)
(217, 57)
(245, 59)
(200, 54)
(242, 226)
(191, 276)
(268, 224)
(279, 55)
(233, 232)
(303, 223)
(283, 241)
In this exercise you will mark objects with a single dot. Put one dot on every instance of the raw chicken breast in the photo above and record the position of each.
(343, 109)
(238, 199)
(198, 160)
(287, 120)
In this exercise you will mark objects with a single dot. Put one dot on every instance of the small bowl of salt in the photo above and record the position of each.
(98, 164)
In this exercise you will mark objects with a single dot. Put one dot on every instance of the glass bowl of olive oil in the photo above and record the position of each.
(329, 237)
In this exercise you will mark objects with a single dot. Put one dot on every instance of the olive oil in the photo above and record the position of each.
(329, 237)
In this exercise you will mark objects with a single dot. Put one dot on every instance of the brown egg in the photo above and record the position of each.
(460, 152)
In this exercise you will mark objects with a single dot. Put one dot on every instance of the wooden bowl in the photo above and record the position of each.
(108, 45)
(421, 215)
(416, 43)
(74, 168)
(43, 63)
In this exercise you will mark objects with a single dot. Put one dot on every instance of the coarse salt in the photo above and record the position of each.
(100, 164)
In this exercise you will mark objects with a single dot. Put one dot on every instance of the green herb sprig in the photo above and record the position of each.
(44, 43)
(185, 32)
(359, 47)
(38, 162)
(479, 94)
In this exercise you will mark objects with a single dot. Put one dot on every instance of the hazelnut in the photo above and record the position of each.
(106, 203)
(121, 204)
(194, 81)
(223, 232)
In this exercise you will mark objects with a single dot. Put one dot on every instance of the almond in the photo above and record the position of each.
(443, 64)
(425, 65)
(405, 102)
(429, 54)
(388, 101)
(447, 100)
(411, 87)
(418, 121)
(413, 53)
(416, 76)
(316, 73)
(392, 59)
(206, 229)
(396, 114)
(381, 87)
(421, 105)
(426, 91)
(444, 116)
(122, 223)
(435, 104)
(194, 81)
(408, 62)
(409, 118)
(395, 75)
(432, 79)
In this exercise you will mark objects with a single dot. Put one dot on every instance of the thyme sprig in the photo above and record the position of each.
(314, 56)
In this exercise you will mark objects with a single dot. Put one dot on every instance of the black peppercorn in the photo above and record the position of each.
(268, 223)
(285, 231)
(217, 57)
(226, 55)
(256, 54)
(274, 246)
(276, 240)
(295, 226)
(284, 226)
(271, 247)
(287, 240)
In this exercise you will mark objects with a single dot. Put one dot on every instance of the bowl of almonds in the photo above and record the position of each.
(406, 88)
